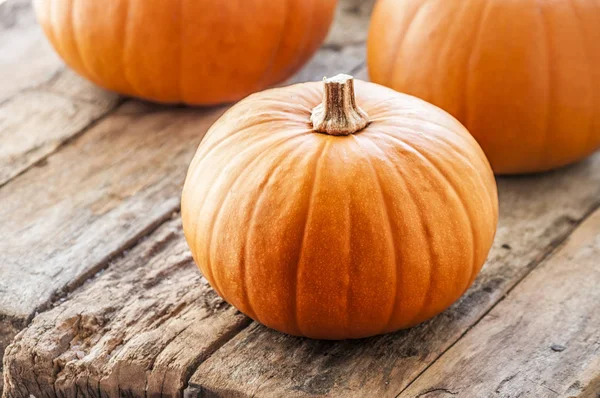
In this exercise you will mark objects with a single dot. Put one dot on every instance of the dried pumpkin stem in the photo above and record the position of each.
(338, 114)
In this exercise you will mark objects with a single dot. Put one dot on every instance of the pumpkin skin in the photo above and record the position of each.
(336, 237)
(198, 52)
(522, 76)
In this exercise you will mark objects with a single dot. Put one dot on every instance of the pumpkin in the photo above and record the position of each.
(522, 76)
(185, 51)
(331, 215)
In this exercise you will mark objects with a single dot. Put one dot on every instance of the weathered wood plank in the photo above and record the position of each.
(537, 212)
(63, 221)
(139, 329)
(26, 59)
(42, 105)
(543, 340)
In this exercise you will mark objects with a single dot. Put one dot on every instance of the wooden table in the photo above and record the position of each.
(99, 295)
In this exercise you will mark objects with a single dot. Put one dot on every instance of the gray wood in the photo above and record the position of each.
(138, 329)
(63, 221)
(42, 105)
(543, 340)
(26, 59)
(537, 213)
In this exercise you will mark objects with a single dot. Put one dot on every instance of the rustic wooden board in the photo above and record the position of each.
(138, 329)
(543, 340)
(26, 60)
(144, 324)
(537, 213)
(42, 105)
(101, 191)
(64, 220)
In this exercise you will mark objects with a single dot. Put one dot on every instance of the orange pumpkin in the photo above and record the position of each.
(522, 76)
(185, 51)
(342, 219)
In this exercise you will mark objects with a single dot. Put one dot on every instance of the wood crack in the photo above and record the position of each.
(443, 390)
(35, 148)
(503, 382)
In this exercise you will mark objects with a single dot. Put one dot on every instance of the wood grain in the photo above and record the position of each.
(26, 59)
(138, 329)
(543, 340)
(42, 105)
(63, 221)
(537, 213)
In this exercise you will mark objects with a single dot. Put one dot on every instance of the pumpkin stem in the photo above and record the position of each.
(338, 114)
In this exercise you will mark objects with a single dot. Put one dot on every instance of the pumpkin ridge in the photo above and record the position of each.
(400, 41)
(580, 24)
(349, 268)
(315, 176)
(269, 65)
(439, 139)
(200, 209)
(84, 68)
(179, 79)
(411, 117)
(411, 195)
(418, 153)
(376, 105)
(250, 221)
(466, 137)
(457, 151)
(474, 243)
(542, 153)
(216, 217)
(595, 141)
(386, 211)
(257, 120)
(275, 145)
(454, 149)
(447, 42)
(123, 49)
(228, 137)
(199, 159)
(471, 57)
(126, 40)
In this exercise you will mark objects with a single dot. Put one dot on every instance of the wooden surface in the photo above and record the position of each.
(130, 329)
(42, 104)
(96, 275)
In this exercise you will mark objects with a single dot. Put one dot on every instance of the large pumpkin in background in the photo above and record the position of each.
(522, 75)
(189, 51)
(339, 219)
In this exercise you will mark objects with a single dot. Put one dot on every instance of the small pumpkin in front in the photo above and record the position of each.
(328, 215)
(198, 52)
